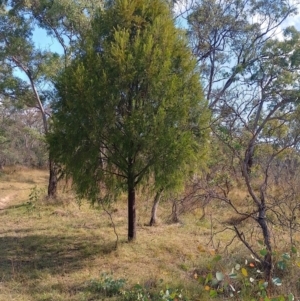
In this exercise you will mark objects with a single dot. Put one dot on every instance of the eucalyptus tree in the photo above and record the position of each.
(227, 37)
(250, 70)
(66, 21)
(130, 107)
(27, 72)
(262, 125)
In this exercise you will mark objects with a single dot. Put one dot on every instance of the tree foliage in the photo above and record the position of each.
(130, 108)
(28, 72)
(227, 37)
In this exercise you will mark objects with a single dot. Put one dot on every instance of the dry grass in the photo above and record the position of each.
(50, 250)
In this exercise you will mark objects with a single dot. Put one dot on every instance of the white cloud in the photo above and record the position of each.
(182, 7)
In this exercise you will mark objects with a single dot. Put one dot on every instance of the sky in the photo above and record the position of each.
(181, 5)
(44, 41)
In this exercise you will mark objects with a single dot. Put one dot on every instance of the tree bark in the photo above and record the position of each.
(52, 186)
(268, 262)
(153, 219)
(175, 218)
(249, 161)
(131, 211)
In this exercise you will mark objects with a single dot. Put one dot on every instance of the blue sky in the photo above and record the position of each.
(44, 41)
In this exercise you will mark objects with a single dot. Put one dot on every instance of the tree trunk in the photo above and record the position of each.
(153, 219)
(131, 211)
(268, 262)
(175, 218)
(249, 158)
(52, 186)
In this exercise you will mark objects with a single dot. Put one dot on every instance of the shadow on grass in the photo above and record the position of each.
(22, 256)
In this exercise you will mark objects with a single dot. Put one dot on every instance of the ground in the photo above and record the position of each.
(55, 249)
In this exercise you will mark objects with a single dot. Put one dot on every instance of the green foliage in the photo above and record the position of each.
(106, 285)
(172, 295)
(130, 107)
(35, 195)
(140, 293)
(136, 293)
(35, 67)
(244, 279)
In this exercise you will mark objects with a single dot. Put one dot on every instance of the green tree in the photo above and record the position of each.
(130, 107)
(31, 86)
(19, 55)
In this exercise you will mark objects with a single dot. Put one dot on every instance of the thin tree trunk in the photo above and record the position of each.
(52, 186)
(131, 211)
(249, 159)
(153, 219)
(261, 206)
(175, 218)
(268, 262)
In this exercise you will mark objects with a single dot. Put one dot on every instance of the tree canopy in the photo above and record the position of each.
(130, 108)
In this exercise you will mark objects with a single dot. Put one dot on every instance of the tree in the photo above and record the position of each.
(18, 51)
(227, 37)
(251, 80)
(32, 86)
(64, 20)
(130, 107)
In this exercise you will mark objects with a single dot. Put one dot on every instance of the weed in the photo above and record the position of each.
(35, 194)
(244, 280)
(137, 293)
(106, 285)
(172, 295)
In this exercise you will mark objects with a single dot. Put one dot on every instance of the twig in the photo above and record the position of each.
(228, 244)
(212, 234)
(242, 239)
(113, 224)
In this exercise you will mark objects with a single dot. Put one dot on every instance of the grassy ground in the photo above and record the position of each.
(53, 250)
